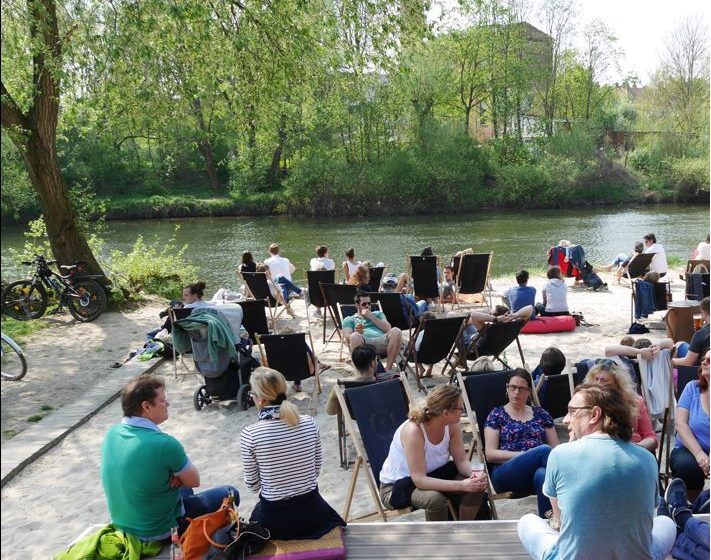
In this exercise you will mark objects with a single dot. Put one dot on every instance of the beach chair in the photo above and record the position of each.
(439, 342)
(662, 295)
(333, 294)
(697, 286)
(372, 414)
(685, 375)
(692, 264)
(638, 266)
(314, 279)
(258, 288)
(554, 393)
(376, 278)
(390, 303)
(473, 275)
(423, 271)
(481, 394)
(346, 310)
(254, 317)
(176, 314)
(493, 340)
(340, 422)
(290, 356)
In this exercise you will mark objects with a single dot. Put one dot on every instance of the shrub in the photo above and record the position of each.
(689, 178)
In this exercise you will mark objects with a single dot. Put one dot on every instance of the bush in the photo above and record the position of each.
(689, 178)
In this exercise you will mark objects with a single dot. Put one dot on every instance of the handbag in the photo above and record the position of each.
(237, 540)
(197, 538)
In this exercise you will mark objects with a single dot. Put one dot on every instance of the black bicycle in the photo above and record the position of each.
(81, 293)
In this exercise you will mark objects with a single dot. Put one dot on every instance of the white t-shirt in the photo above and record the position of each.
(322, 263)
(279, 266)
(703, 251)
(556, 293)
(659, 261)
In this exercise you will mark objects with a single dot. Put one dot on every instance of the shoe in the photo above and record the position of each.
(662, 508)
(676, 497)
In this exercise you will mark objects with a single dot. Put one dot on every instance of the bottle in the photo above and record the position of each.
(176, 552)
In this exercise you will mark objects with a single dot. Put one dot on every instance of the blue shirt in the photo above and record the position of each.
(521, 296)
(606, 492)
(690, 399)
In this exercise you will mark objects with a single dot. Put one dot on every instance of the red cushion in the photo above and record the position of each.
(542, 325)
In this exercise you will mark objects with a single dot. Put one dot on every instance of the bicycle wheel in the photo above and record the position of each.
(87, 301)
(23, 300)
(13, 362)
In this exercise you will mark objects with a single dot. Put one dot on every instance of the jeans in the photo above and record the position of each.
(683, 465)
(208, 501)
(287, 286)
(537, 536)
(693, 542)
(525, 475)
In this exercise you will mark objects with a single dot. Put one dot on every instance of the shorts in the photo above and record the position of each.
(380, 343)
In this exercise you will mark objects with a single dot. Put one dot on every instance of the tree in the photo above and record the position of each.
(34, 129)
(598, 54)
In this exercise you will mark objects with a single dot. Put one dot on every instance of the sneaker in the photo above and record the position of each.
(676, 497)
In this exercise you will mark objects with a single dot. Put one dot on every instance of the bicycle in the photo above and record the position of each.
(14, 365)
(28, 299)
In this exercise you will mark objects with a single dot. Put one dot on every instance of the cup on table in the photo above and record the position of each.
(698, 321)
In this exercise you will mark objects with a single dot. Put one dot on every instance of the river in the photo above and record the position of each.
(519, 239)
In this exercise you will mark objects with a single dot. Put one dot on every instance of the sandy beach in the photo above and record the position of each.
(57, 496)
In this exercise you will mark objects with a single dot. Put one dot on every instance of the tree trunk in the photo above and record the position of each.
(205, 147)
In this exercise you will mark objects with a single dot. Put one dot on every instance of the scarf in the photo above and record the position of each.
(269, 413)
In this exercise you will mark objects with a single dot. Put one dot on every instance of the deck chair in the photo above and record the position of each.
(289, 355)
(692, 264)
(662, 295)
(346, 310)
(314, 279)
(372, 414)
(254, 317)
(493, 340)
(340, 422)
(473, 275)
(554, 393)
(391, 306)
(638, 266)
(439, 342)
(697, 286)
(258, 288)
(685, 375)
(176, 314)
(333, 294)
(376, 277)
(423, 271)
(481, 394)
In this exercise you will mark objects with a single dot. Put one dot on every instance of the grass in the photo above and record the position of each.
(19, 331)
(45, 409)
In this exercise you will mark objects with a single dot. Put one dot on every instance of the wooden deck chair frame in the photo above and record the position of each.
(332, 306)
(362, 462)
(340, 422)
(479, 443)
(175, 314)
(314, 279)
(374, 306)
(474, 262)
(317, 380)
(411, 353)
(423, 258)
(276, 305)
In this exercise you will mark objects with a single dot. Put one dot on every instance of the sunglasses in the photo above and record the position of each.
(605, 362)
(364, 304)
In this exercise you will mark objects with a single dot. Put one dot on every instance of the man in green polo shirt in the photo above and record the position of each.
(147, 477)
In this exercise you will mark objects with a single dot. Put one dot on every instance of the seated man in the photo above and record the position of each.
(373, 328)
(146, 475)
(500, 314)
(602, 487)
(449, 292)
(322, 261)
(282, 269)
(367, 368)
(522, 295)
(659, 261)
(699, 341)
(411, 308)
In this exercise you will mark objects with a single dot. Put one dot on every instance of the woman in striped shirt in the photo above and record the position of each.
(281, 456)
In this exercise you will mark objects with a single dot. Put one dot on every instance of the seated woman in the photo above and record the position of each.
(281, 457)
(518, 439)
(279, 295)
(555, 295)
(350, 265)
(248, 264)
(418, 471)
(609, 372)
(360, 278)
(690, 457)
(192, 295)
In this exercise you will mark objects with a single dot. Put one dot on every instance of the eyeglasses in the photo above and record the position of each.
(605, 362)
(573, 409)
(517, 388)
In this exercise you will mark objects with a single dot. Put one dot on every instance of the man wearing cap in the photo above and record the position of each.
(410, 308)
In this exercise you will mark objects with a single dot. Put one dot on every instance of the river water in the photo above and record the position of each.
(519, 239)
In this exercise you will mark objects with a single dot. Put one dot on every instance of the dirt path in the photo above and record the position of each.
(70, 357)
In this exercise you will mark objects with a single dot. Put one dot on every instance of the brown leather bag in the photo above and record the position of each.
(197, 538)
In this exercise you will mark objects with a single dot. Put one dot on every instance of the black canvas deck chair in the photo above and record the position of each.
(439, 342)
(685, 375)
(333, 294)
(340, 422)
(314, 279)
(554, 393)
(290, 356)
(638, 266)
(376, 277)
(473, 275)
(481, 394)
(662, 295)
(258, 288)
(254, 317)
(493, 340)
(423, 271)
(697, 285)
(392, 307)
(372, 414)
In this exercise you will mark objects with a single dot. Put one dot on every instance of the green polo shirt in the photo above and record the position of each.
(136, 466)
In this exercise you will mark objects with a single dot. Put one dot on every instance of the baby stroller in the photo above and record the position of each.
(222, 358)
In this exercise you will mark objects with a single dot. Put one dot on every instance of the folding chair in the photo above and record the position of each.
(493, 340)
(473, 275)
(333, 294)
(254, 317)
(692, 264)
(289, 355)
(372, 414)
(662, 295)
(697, 285)
(638, 266)
(685, 375)
(554, 393)
(176, 314)
(314, 279)
(346, 310)
(481, 394)
(390, 303)
(340, 422)
(423, 271)
(439, 342)
(258, 288)
(376, 277)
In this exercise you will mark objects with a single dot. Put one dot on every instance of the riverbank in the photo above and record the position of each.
(66, 480)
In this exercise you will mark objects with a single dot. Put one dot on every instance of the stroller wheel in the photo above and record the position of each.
(243, 398)
(200, 397)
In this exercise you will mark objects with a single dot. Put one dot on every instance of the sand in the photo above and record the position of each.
(57, 496)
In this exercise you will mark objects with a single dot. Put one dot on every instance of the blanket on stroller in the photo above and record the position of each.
(219, 333)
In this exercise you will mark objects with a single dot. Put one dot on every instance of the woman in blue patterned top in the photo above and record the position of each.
(518, 439)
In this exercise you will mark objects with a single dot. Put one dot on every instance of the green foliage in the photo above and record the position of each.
(20, 331)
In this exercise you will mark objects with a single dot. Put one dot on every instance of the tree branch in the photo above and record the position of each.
(14, 121)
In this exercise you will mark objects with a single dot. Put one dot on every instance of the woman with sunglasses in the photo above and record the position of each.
(690, 458)
(608, 372)
(518, 439)
(281, 457)
(418, 471)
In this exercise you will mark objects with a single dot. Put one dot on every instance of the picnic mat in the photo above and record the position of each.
(328, 547)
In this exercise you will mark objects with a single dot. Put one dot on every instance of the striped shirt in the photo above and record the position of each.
(281, 461)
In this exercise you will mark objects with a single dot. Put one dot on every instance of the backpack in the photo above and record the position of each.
(590, 278)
